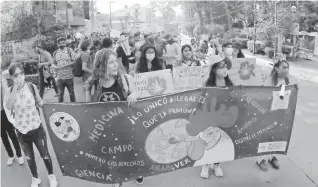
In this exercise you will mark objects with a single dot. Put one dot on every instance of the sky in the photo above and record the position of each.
(103, 5)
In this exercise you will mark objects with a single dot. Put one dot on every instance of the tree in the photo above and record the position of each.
(165, 8)
(17, 22)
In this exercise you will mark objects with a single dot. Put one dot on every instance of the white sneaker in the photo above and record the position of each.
(217, 170)
(205, 171)
(53, 181)
(21, 160)
(10, 161)
(35, 182)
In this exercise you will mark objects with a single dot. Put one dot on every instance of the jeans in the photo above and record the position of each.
(8, 129)
(42, 85)
(39, 139)
(69, 84)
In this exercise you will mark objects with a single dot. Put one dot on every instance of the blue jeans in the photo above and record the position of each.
(69, 84)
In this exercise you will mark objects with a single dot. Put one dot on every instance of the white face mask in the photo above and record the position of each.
(229, 51)
(150, 57)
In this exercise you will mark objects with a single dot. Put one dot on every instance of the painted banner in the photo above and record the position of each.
(244, 71)
(189, 77)
(111, 142)
(154, 83)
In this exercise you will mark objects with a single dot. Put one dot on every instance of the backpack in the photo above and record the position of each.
(78, 71)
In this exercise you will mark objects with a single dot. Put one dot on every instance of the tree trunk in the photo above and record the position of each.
(228, 14)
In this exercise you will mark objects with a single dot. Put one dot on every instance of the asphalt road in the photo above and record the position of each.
(298, 168)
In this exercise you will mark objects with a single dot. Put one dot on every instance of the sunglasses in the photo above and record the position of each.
(17, 74)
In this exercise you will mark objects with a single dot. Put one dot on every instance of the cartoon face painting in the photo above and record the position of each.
(64, 126)
(165, 144)
(179, 138)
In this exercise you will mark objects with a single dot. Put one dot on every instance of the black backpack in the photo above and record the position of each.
(78, 71)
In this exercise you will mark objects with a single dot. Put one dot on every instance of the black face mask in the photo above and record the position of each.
(62, 47)
(170, 41)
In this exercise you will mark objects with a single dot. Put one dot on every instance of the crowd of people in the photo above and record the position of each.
(106, 66)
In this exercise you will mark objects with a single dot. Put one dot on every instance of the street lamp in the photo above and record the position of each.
(110, 13)
(256, 8)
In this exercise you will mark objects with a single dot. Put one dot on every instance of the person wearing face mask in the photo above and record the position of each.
(7, 128)
(218, 77)
(63, 61)
(149, 61)
(187, 58)
(237, 52)
(279, 76)
(24, 101)
(227, 50)
(173, 52)
(44, 62)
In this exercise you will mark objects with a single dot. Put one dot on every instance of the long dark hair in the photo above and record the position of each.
(274, 74)
(211, 82)
(156, 63)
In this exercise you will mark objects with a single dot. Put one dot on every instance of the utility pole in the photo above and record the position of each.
(110, 14)
(67, 22)
(254, 27)
(275, 41)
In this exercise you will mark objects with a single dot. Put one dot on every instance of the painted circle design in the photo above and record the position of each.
(166, 143)
(64, 126)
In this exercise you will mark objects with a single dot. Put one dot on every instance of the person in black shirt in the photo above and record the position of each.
(149, 61)
(123, 51)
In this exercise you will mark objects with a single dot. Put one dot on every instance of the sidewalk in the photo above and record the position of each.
(296, 70)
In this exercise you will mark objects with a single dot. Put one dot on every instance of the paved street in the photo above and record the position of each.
(298, 168)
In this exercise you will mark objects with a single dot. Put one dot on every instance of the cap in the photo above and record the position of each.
(214, 59)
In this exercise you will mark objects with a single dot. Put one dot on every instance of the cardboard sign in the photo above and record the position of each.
(244, 71)
(189, 77)
(154, 83)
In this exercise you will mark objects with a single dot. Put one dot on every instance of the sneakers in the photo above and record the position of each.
(217, 170)
(35, 182)
(117, 185)
(21, 160)
(140, 181)
(205, 171)
(262, 165)
(274, 162)
(10, 161)
(52, 181)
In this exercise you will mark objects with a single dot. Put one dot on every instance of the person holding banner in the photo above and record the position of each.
(218, 77)
(279, 76)
(187, 58)
(149, 61)
(110, 83)
(24, 101)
